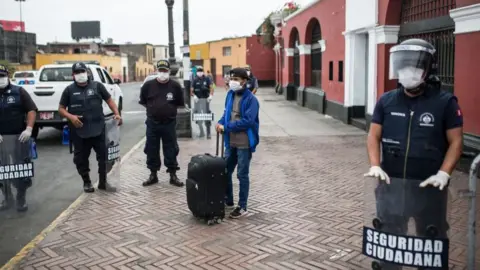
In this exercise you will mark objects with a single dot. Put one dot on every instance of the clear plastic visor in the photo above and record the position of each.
(404, 59)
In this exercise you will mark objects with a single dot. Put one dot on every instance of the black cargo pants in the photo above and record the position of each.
(164, 131)
(83, 148)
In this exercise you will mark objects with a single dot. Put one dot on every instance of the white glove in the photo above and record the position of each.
(195, 99)
(1, 139)
(26, 134)
(377, 172)
(209, 98)
(439, 180)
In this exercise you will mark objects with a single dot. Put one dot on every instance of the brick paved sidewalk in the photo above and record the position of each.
(306, 208)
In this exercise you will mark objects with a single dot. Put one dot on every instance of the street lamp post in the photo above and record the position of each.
(184, 125)
(171, 40)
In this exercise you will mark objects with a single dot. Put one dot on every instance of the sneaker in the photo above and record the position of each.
(238, 212)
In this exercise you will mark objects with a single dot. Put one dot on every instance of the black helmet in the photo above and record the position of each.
(413, 58)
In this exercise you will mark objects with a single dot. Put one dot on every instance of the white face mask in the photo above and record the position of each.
(3, 82)
(410, 77)
(163, 76)
(81, 77)
(248, 73)
(200, 74)
(234, 85)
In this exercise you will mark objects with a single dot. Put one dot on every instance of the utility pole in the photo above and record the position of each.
(186, 53)
(19, 48)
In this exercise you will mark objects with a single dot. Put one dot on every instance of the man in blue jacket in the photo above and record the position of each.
(240, 124)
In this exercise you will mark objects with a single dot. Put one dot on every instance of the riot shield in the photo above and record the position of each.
(16, 174)
(405, 226)
(202, 117)
(113, 159)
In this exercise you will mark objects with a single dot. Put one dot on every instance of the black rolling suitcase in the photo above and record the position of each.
(207, 185)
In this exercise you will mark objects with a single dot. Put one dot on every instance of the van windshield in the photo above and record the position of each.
(23, 75)
(57, 74)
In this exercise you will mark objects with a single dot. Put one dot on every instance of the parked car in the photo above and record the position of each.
(52, 81)
(24, 77)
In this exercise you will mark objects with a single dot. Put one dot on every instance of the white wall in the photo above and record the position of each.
(160, 52)
(361, 14)
(360, 40)
(124, 62)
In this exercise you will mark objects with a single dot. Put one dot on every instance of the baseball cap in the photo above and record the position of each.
(3, 70)
(199, 68)
(79, 67)
(163, 64)
(239, 72)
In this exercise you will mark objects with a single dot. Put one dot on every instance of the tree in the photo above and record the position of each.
(266, 30)
(10, 67)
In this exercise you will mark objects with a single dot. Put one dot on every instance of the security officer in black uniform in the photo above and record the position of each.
(83, 99)
(252, 83)
(419, 128)
(202, 88)
(161, 97)
(17, 117)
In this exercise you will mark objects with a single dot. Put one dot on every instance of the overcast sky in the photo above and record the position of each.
(141, 21)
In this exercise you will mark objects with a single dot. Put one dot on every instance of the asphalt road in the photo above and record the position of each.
(57, 183)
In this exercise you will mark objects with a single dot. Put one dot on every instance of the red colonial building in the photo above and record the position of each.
(332, 56)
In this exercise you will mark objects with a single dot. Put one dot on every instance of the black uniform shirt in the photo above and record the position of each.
(161, 99)
(65, 99)
(27, 102)
(453, 114)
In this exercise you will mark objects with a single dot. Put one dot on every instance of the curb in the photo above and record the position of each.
(25, 251)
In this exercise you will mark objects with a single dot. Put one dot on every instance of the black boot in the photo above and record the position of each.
(22, 205)
(104, 185)
(152, 179)
(87, 184)
(174, 180)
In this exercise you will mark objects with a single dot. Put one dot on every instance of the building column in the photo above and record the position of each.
(278, 67)
(386, 38)
(287, 72)
(467, 43)
(355, 74)
(305, 51)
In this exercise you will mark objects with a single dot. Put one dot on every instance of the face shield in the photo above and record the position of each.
(416, 59)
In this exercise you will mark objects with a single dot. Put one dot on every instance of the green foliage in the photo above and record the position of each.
(266, 30)
(11, 68)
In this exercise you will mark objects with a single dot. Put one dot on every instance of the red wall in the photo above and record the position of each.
(331, 16)
(261, 59)
(467, 79)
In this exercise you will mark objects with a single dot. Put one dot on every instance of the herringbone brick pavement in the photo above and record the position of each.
(306, 212)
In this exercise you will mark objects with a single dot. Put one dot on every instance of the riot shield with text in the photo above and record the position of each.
(202, 117)
(16, 174)
(113, 159)
(406, 226)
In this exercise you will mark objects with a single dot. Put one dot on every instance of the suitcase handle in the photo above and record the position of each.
(218, 144)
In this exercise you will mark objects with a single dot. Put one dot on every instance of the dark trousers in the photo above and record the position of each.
(83, 148)
(161, 131)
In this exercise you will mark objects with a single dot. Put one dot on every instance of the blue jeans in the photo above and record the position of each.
(239, 158)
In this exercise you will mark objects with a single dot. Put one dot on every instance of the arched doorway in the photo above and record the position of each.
(430, 20)
(316, 62)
